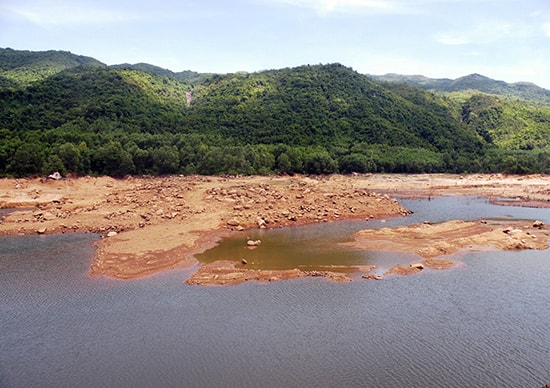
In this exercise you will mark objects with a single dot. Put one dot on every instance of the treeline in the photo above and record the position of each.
(196, 154)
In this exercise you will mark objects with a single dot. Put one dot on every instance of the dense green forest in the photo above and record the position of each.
(73, 114)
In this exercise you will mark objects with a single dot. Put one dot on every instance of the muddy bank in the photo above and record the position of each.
(436, 247)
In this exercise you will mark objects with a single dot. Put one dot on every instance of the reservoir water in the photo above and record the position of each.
(484, 323)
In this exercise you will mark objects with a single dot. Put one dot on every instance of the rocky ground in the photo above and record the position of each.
(502, 189)
(154, 224)
(432, 242)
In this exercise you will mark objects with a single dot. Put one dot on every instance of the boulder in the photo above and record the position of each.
(112, 234)
(538, 224)
(55, 176)
(261, 222)
(372, 276)
(233, 222)
(253, 243)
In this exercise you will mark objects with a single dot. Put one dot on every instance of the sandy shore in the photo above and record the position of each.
(154, 224)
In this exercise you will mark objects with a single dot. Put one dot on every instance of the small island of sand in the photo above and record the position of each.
(431, 243)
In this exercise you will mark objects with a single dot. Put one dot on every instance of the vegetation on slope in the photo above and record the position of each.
(24, 67)
(473, 84)
(312, 119)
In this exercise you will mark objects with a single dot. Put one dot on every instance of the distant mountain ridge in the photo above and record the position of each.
(476, 82)
(17, 66)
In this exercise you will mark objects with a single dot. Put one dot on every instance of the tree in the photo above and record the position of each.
(113, 160)
(283, 164)
(53, 164)
(320, 163)
(69, 154)
(165, 160)
(260, 159)
(27, 160)
(355, 163)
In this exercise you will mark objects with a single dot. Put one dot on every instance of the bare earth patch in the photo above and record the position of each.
(155, 224)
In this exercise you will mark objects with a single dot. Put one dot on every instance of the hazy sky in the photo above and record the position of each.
(502, 39)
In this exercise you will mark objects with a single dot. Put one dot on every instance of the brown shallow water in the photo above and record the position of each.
(347, 250)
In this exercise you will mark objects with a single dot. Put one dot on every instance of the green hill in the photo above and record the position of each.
(473, 83)
(328, 105)
(516, 125)
(24, 67)
(186, 76)
(90, 118)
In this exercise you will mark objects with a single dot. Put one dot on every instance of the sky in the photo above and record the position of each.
(506, 40)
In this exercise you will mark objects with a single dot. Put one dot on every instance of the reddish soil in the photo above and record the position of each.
(154, 224)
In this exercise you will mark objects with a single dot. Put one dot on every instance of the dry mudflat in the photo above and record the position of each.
(150, 225)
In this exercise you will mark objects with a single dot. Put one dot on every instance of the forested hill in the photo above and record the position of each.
(186, 76)
(139, 119)
(328, 106)
(24, 67)
(473, 83)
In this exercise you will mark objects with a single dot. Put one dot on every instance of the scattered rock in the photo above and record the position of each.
(112, 234)
(55, 176)
(261, 223)
(402, 271)
(41, 231)
(233, 222)
(419, 266)
(538, 224)
(253, 243)
(371, 276)
(244, 261)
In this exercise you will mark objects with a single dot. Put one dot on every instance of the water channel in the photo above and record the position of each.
(484, 323)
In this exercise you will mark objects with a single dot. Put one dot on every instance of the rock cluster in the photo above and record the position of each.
(269, 206)
(223, 273)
